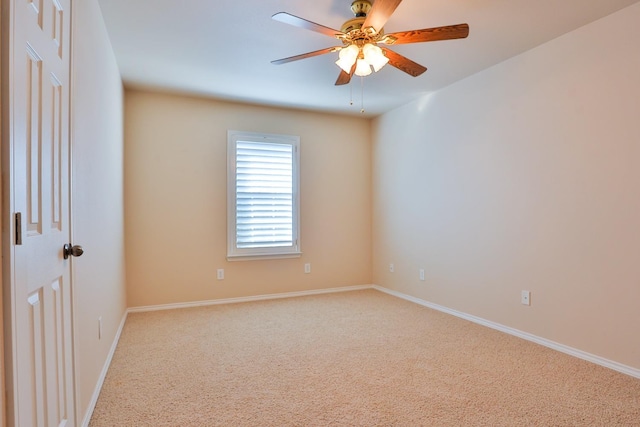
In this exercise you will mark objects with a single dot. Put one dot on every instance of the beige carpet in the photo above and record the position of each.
(349, 359)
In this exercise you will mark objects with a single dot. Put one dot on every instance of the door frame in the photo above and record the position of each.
(5, 201)
(3, 137)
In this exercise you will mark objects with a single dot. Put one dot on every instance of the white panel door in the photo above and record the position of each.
(41, 388)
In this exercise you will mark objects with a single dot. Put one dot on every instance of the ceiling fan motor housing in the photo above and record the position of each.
(353, 30)
(360, 8)
(352, 24)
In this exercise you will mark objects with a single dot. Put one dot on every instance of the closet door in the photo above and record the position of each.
(40, 363)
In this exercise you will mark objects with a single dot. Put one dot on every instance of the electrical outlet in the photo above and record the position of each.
(422, 274)
(307, 268)
(525, 298)
(100, 327)
(391, 268)
(221, 274)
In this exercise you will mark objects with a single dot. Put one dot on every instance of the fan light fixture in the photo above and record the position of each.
(361, 36)
(366, 57)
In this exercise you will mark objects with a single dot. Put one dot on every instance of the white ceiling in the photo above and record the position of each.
(223, 48)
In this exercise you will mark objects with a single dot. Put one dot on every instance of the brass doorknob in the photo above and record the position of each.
(75, 250)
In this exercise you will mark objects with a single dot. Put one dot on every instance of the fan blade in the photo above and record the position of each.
(380, 13)
(449, 32)
(305, 55)
(345, 78)
(287, 18)
(404, 64)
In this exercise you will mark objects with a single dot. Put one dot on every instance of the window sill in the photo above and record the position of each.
(258, 257)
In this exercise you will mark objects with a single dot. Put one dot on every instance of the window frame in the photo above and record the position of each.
(238, 254)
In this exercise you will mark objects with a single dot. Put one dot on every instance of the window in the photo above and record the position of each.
(262, 195)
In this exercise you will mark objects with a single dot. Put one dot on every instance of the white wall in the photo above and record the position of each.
(97, 196)
(176, 200)
(524, 176)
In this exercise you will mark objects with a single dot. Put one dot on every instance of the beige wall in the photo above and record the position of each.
(523, 177)
(175, 174)
(97, 197)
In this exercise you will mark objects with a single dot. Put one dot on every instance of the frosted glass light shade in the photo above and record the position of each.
(347, 57)
(374, 56)
(363, 68)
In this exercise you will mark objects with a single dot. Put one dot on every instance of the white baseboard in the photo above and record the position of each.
(246, 299)
(628, 370)
(103, 374)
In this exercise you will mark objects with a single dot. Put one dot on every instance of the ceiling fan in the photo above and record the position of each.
(361, 36)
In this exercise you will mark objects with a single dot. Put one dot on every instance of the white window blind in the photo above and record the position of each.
(264, 194)
(263, 172)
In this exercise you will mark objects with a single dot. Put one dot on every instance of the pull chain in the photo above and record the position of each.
(362, 95)
(362, 110)
(350, 94)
